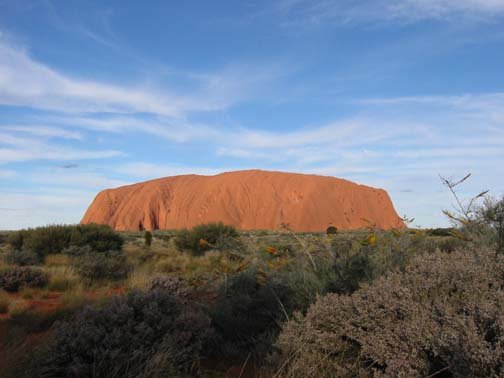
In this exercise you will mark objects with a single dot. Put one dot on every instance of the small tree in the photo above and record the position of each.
(478, 219)
(492, 212)
(465, 213)
(148, 238)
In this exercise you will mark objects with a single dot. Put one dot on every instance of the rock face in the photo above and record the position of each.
(249, 200)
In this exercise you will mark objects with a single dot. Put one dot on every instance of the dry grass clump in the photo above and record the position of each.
(31, 293)
(62, 278)
(139, 278)
(18, 307)
(443, 315)
(57, 260)
(5, 301)
(74, 298)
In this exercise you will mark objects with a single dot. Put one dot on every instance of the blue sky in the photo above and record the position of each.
(387, 93)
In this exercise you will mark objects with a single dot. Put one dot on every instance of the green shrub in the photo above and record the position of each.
(151, 334)
(148, 238)
(441, 316)
(204, 237)
(110, 265)
(248, 313)
(22, 257)
(54, 239)
(12, 279)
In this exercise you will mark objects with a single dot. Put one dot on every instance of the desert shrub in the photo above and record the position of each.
(248, 313)
(331, 230)
(443, 314)
(148, 238)
(55, 238)
(137, 335)
(204, 237)
(94, 266)
(46, 240)
(358, 262)
(450, 244)
(22, 257)
(99, 237)
(12, 279)
(172, 284)
(16, 239)
(440, 232)
(77, 250)
(492, 214)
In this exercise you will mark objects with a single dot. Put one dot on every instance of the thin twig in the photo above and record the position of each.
(281, 305)
(243, 366)
(439, 371)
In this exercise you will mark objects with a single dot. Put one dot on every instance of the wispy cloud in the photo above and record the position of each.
(82, 179)
(27, 82)
(141, 170)
(177, 130)
(29, 208)
(7, 174)
(45, 131)
(14, 148)
(379, 11)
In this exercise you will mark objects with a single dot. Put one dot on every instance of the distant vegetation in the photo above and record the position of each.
(54, 239)
(199, 302)
(204, 237)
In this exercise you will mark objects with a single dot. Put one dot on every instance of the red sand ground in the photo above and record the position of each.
(52, 301)
(249, 200)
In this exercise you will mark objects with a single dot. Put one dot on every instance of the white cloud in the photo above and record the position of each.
(25, 82)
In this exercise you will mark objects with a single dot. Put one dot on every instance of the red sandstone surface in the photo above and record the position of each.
(249, 200)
